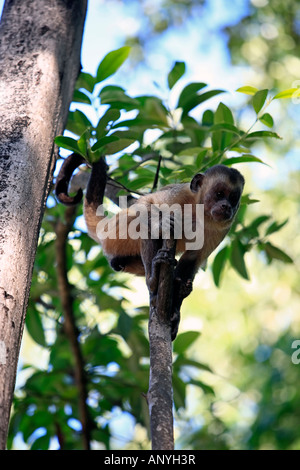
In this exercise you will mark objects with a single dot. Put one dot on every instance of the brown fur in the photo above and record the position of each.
(214, 230)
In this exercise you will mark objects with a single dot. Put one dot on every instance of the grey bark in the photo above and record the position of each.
(160, 393)
(40, 44)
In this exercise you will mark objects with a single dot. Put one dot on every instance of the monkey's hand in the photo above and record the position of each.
(162, 256)
(182, 289)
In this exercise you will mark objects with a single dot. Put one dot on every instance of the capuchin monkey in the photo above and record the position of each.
(217, 191)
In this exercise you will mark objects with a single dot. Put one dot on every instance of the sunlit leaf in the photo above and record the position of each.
(290, 93)
(267, 120)
(112, 62)
(247, 90)
(259, 100)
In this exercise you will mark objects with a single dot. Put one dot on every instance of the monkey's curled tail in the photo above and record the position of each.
(63, 179)
(94, 193)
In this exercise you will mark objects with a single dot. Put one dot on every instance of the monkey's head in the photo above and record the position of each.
(220, 191)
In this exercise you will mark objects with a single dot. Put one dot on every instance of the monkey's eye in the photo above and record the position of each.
(220, 195)
(234, 198)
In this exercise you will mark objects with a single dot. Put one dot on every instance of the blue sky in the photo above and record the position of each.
(201, 46)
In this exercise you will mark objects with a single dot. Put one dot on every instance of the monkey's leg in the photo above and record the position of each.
(183, 286)
(130, 264)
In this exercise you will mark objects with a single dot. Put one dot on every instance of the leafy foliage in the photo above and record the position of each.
(186, 140)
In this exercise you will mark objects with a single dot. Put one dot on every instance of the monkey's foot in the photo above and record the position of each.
(162, 256)
(175, 320)
(183, 288)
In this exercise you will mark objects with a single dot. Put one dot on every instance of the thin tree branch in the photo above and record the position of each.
(160, 393)
(62, 230)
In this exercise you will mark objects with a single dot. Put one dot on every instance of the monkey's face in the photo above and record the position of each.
(221, 202)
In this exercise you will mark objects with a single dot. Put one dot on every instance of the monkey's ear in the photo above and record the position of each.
(197, 182)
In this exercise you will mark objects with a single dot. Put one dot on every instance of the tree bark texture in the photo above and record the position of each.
(40, 44)
(160, 393)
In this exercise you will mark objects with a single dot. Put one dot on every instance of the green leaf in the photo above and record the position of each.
(125, 324)
(223, 115)
(111, 63)
(117, 98)
(80, 97)
(117, 146)
(208, 118)
(153, 108)
(41, 443)
(246, 158)
(237, 258)
(86, 81)
(225, 126)
(83, 144)
(198, 99)
(267, 120)
(183, 361)
(247, 90)
(104, 141)
(290, 93)
(68, 143)
(188, 92)
(275, 227)
(200, 158)
(111, 115)
(276, 253)
(35, 327)
(114, 143)
(259, 221)
(259, 99)
(219, 264)
(176, 73)
(223, 120)
(185, 340)
(262, 134)
(78, 123)
(247, 200)
(141, 123)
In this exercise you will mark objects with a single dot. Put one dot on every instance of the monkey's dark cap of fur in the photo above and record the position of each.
(234, 175)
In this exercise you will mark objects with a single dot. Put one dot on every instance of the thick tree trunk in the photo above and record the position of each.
(40, 44)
